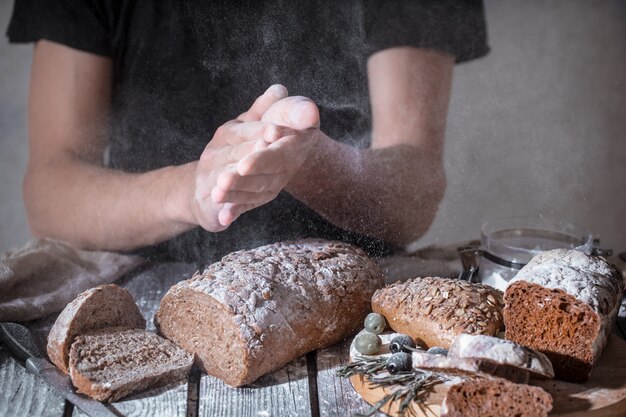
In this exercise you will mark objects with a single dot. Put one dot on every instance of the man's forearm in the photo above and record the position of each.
(391, 193)
(98, 208)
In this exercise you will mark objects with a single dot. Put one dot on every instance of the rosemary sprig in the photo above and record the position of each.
(411, 386)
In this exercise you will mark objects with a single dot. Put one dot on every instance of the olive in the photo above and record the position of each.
(367, 343)
(399, 362)
(400, 344)
(437, 350)
(375, 323)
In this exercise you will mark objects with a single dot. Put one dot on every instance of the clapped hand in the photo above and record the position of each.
(250, 159)
(289, 128)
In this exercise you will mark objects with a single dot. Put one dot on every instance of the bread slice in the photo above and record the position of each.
(436, 310)
(96, 308)
(501, 352)
(112, 363)
(258, 309)
(469, 367)
(495, 398)
(564, 303)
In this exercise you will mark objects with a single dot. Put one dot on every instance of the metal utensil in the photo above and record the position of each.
(19, 341)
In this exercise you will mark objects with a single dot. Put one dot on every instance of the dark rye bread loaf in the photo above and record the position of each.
(109, 364)
(495, 398)
(96, 308)
(258, 309)
(564, 303)
(436, 310)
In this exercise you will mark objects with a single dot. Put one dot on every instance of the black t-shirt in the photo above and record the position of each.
(184, 67)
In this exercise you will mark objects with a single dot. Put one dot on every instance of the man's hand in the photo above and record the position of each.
(260, 169)
(232, 142)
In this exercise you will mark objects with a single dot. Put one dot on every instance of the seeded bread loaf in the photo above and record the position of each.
(256, 310)
(503, 352)
(96, 308)
(564, 304)
(109, 364)
(495, 398)
(436, 310)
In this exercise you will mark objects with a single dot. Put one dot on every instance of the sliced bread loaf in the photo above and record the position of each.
(495, 398)
(501, 352)
(109, 364)
(564, 304)
(436, 310)
(256, 310)
(97, 308)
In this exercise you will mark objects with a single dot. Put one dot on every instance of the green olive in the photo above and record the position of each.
(375, 323)
(367, 343)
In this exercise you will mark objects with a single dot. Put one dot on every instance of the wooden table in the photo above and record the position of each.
(305, 387)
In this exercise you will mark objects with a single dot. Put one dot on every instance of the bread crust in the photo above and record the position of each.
(272, 304)
(435, 310)
(97, 308)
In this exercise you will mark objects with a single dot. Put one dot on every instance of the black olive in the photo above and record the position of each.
(399, 362)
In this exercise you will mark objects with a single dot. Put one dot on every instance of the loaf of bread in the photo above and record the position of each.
(258, 309)
(495, 398)
(96, 308)
(564, 304)
(436, 310)
(111, 363)
(502, 352)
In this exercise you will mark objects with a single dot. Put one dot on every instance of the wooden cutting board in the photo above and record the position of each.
(604, 395)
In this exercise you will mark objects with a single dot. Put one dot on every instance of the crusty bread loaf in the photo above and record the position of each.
(256, 310)
(502, 352)
(495, 398)
(564, 303)
(436, 310)
(109, 364)
(96, 308)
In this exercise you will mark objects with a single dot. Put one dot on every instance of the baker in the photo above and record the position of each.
(145, 134)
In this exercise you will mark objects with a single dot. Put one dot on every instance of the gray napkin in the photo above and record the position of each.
(44, 276)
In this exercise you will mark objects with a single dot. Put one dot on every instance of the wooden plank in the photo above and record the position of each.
(148, 286)
(284, 392)
(23, 394)
(167, 401)
(336, 395)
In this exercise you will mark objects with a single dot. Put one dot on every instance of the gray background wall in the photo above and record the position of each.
(536, 127)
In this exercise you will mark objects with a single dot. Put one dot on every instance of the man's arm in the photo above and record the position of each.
(69, 194)
(393, 189)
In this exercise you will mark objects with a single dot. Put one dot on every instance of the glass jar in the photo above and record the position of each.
(507, 244)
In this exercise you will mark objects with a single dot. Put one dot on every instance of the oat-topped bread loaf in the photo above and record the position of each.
(436, 310)
(564, 303)
(256, 310)
(96, 308)
(495, 398)
(109, 364)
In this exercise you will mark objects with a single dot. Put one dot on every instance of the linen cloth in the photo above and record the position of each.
(42, 277)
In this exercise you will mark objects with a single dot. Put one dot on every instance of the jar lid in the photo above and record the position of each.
(514, 241)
